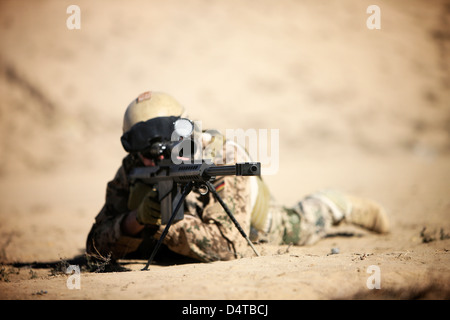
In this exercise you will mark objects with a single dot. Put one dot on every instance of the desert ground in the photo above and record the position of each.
(363, 110)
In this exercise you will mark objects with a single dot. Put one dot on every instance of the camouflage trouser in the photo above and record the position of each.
(303, 224)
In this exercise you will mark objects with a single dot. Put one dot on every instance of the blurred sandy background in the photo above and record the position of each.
(367, 111)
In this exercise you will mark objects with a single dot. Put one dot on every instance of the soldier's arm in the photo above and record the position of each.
(113, 230)
(130, 226)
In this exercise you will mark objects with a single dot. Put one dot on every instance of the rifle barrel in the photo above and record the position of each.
(221, 171)
(239, 169)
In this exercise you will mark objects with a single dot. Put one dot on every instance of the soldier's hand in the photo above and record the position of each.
(149, 211)
(144, 199)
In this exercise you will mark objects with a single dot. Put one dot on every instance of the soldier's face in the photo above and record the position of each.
(146, 161)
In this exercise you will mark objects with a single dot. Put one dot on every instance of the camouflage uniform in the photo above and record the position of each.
(206, 233)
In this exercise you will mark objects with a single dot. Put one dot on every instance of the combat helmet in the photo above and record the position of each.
(151, 104)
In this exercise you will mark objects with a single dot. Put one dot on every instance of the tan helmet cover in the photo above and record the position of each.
(150, 105)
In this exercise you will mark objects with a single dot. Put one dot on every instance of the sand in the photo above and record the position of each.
(363, 110)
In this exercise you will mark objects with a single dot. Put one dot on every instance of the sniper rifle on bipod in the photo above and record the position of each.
(173, 178)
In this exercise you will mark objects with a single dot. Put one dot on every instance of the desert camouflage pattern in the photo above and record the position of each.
(304, 224)
(206, 233)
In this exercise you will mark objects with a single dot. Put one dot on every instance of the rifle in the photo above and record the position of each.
(175, 181)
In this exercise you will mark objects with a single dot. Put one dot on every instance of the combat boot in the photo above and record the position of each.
(368, 214)
(362, 212)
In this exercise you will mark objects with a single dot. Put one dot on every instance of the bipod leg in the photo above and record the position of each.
(227, 210)
(186, 190)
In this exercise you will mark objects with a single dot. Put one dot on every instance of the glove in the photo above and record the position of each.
(144, 199)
